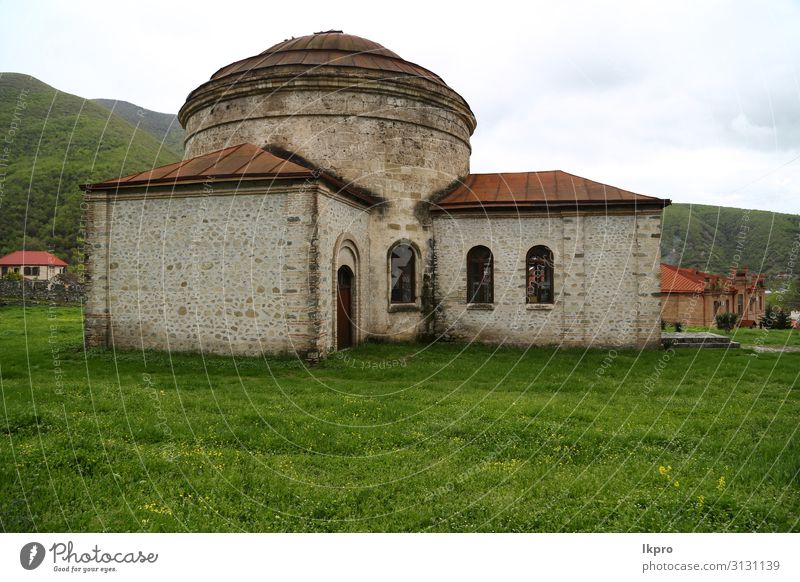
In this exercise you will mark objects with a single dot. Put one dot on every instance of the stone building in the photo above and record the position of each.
(325, 199)
(693, 297)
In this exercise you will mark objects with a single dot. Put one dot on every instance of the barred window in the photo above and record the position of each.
(402, 264)
(539, 275)
(480, 275)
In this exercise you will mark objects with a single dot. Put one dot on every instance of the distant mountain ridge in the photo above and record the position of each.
(717, 239)
(162, 126)
(80, 140)
(58, 141)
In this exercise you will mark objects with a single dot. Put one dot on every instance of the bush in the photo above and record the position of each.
(663, 325)
(783, 321)
(726, 320)
(776, 318)
(67, 278)
(678, 326)
(12, 276)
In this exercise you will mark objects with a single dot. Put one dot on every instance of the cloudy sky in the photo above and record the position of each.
(694, 101)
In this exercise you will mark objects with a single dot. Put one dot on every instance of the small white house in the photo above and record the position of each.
(32, 265)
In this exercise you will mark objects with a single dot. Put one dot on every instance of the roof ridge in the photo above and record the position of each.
(219, 159)
(251, 160)
(276, 165)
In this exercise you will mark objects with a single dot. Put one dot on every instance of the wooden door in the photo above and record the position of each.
(344, 308)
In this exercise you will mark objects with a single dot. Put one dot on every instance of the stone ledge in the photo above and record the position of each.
(481, 306)
(403, 307)
(540, 306)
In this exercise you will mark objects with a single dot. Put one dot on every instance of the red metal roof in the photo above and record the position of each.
(235, 163)
(31, 258)
(544, 189)
(329, 48)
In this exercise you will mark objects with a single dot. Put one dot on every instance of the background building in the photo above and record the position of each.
(695, 298)
(32, 265)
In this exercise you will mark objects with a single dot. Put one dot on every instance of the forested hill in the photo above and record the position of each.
(715, 238)
(51, 143)
(162, 126)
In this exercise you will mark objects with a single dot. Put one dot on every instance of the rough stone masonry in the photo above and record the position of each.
(307, 167)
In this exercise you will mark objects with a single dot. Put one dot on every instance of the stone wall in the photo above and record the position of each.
(403, 138)
(403, 147)
(396, 223)
(203, 271)
(398, 138)
(19, 292)
(341, 223)
(255, 272)
(606, 279)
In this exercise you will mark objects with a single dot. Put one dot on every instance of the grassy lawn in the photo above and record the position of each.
(774, 338)
(392, 438)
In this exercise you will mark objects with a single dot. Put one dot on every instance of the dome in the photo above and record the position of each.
(331, 48)
(343, 103)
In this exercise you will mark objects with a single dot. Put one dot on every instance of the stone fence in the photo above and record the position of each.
(31, 292)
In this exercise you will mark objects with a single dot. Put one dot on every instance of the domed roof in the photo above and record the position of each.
(331, 48)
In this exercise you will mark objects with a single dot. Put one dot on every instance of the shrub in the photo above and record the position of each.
(12, 276)
(663, 325)
(67, 278)
(726, 320)
(776, 318)
(783, 320)
(678, 326)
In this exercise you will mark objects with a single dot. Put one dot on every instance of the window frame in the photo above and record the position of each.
(546, 253)
(413, 278)
(482, 264)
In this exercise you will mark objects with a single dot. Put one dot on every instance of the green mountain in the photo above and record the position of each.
(162, 126)
(50, 143)
(717, 238)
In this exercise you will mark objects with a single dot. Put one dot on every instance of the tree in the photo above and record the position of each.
(776, 317)
(726, 320)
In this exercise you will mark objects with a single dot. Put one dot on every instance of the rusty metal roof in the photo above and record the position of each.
(330, 48)
(236, 163)
(539, 189)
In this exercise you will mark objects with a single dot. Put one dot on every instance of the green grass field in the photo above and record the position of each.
(783, 338)
(392, 438)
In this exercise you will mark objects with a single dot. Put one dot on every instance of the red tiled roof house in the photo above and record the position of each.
(32, 265)
(693, 297)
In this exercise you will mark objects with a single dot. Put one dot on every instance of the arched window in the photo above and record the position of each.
(402, 265)
(480, 279)
(539, 275)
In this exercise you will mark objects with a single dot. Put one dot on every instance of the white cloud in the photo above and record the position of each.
(695, 101)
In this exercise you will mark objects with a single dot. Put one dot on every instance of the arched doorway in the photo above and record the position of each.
(344, 307)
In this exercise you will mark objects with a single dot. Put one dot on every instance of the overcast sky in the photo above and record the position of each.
(694, 101)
